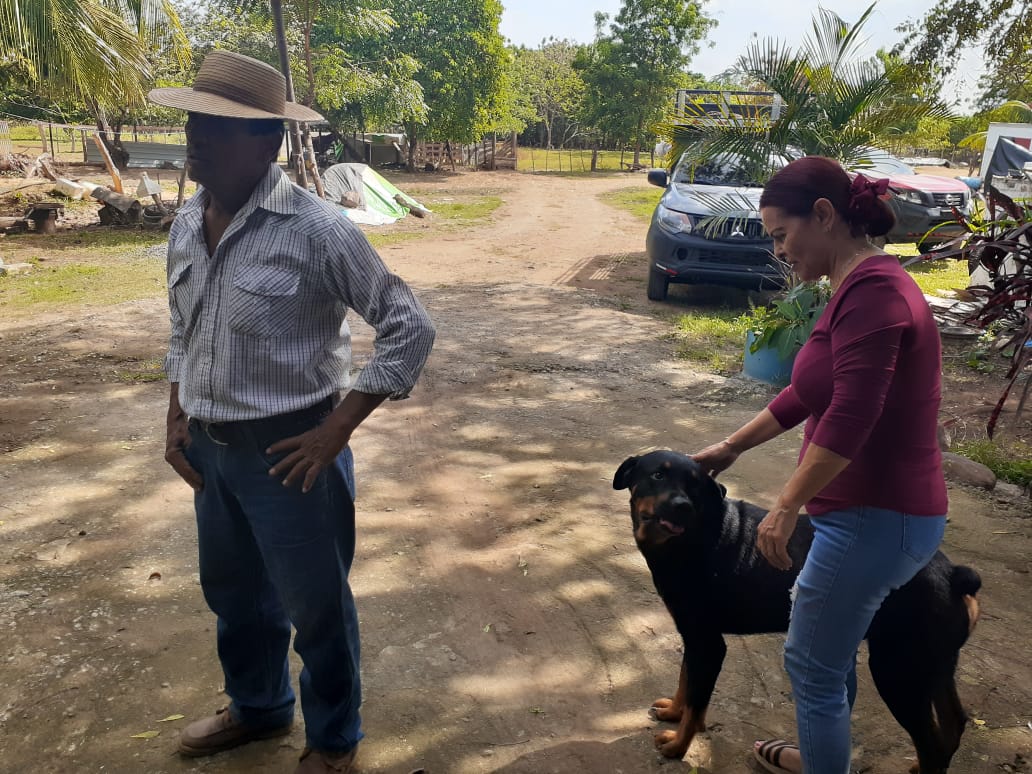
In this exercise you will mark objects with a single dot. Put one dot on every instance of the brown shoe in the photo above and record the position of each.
(315, 762)
(221, 732)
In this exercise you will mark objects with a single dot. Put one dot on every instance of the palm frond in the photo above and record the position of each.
(82, 47)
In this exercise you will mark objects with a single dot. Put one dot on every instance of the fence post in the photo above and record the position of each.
(42, 137)
(82, 136)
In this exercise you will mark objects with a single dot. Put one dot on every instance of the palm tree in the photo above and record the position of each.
(93, 50)
(1012, 111)
(834, 102)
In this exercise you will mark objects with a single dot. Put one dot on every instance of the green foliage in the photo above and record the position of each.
(640, 202)
(635, 63)
(1002, 29)
(712, 338)
(932, 133)
(340, 62)
(462, 65)
(93, 285)
(97, 51)
(935, 276)
(836, 103)
(1009, 461)
(546, 77)
(1009, 112)
(786, 323)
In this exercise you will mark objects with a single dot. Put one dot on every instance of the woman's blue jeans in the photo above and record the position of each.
(858, 557)
(270, 557)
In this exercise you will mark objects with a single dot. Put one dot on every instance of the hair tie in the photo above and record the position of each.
(864, 193)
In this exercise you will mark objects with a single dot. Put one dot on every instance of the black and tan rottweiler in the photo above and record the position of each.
(701, 549)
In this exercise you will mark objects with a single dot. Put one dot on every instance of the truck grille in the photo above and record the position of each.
(949, 199)
(746, 229)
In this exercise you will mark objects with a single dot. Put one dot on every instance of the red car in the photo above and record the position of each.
(925, 205)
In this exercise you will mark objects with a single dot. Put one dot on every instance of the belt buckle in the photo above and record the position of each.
(207, 431)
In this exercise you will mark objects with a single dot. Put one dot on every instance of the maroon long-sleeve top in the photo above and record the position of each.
(867, 382)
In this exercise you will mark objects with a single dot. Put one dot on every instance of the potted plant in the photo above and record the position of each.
(775, 333)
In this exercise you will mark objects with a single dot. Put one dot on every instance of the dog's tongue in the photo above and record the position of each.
(674, 528)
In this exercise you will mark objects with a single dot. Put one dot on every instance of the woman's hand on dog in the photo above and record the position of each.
(773, 534)
(716, 457)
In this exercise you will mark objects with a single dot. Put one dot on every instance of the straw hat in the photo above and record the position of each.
(235, 86)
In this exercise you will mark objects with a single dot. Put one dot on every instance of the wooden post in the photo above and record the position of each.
(43, 138)
(182, 186)
(82, 136)
(116, 178)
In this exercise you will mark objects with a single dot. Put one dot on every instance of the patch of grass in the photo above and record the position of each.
(933, 276)
(144, 371)
(714, 339)
(449, 214)
(98, 238)
(640, 202)
(380, 239)
(92, 285)
(1009, 460)
(465, 213)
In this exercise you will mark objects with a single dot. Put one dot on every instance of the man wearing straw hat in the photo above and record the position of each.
(261, 274)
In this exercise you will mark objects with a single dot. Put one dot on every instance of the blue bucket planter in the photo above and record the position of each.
(766, 365)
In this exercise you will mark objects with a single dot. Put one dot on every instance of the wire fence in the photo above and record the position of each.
(576, 161)
(70, 142)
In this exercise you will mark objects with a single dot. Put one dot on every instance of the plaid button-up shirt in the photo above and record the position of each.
(258, 327)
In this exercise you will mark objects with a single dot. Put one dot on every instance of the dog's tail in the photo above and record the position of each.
(965, 583)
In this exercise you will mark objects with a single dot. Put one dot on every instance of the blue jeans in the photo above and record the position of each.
(270, 557)
(858, 557)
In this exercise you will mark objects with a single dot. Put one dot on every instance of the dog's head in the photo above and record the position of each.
(671, 497)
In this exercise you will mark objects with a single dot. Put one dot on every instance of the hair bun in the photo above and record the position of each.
(866, 207)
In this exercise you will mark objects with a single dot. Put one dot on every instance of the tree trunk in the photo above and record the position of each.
(410, 130)
(295, 132)
(311, 166)
(112, 138)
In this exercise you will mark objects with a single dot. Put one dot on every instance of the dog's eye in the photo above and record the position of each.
(658, 475)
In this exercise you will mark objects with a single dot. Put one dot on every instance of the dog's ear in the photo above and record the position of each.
(722, 488)
(623, 473)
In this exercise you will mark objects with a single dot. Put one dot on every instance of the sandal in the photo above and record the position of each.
(768, 755)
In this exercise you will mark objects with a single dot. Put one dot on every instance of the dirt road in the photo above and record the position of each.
(509, 624)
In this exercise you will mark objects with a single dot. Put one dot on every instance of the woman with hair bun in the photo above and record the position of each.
(867, 383)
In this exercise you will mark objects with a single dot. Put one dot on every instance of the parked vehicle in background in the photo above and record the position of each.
(925, 205)
(707, 229)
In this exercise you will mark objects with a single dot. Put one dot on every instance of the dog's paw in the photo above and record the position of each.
(666, 710)
(670, 746)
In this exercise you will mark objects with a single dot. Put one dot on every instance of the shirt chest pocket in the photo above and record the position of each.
(263, 301)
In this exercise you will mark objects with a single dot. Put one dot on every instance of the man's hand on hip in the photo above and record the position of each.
(308, 454)
(312, 452)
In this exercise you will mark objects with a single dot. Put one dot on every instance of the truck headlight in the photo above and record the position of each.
(673, 221)
(914, 197)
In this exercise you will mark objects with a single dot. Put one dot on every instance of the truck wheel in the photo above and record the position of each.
(658, 284)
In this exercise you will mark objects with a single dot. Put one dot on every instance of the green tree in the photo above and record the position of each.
(555, 90)
(339, 63)
(1002, 29)
(464, 67)
(636, 63)
(835, 103)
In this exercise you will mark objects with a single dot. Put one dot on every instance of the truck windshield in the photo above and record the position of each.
(722, 170)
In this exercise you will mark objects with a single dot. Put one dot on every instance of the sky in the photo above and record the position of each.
(528, 22)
